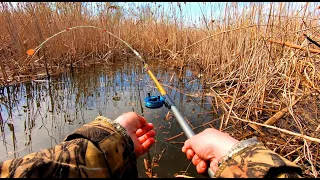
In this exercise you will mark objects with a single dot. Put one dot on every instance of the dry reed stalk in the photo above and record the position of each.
(160, 156)
(221, 122)
(168, 116)
(281, 130)
(151, 35)
(295, 46)
(262, 109)
(297, 159)
(172, 77)
(178, 135)
(182, 176)
(145, 162)
(316, 158)
(281, 113)
(175, 142)
(189, 122)
(4, 73)
(245, 136)
(309, 81)
(262, 99)
(293, 151)
(222, 100)
(253, 126)
(232, 104)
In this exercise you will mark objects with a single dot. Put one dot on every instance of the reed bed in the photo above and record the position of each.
(259, 64)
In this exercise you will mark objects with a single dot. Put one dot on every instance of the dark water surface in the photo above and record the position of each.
(39, 114)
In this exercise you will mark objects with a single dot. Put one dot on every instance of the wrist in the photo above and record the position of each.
(119, 128)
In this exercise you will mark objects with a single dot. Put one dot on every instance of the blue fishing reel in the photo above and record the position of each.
(154, 102)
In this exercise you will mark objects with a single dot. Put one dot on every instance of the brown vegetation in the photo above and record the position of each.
(240, 62)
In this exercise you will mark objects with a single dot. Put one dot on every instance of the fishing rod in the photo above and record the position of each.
(167, 100)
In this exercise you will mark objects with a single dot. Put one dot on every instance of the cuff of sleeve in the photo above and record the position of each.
(99, 129)
(250, 158)
(120, 129)
(237, 148)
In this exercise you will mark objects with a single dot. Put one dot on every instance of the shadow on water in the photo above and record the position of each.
(39, 114)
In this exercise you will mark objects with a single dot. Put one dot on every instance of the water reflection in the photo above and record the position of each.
(39, 114)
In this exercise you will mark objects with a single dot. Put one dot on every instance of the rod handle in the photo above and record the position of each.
(184, 125)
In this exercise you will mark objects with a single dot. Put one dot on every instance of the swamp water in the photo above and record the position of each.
(39, 114)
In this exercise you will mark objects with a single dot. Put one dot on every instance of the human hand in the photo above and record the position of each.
(139, 130)
(209, 145)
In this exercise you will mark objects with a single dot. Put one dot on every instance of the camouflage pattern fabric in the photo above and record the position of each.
(99, 149)
(96, 149)
(257, 161)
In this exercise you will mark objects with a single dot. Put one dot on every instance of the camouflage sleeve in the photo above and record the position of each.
(257, 161)
(98, 149)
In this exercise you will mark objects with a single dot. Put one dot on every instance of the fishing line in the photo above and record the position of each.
(16, 151)
(169, 144)
(32, 52)
(167, 100)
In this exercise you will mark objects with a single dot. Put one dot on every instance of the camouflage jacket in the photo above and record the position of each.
(97, 149)
(257, 161)
(101, 149)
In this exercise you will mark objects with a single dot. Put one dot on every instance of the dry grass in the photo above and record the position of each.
(249, 76)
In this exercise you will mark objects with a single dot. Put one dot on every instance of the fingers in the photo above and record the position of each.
(146, 145)
(190, 154)
(142, 121)
(202, 167)
(200, 164)
(144, 129)
(184, 149)
(196, 160)
(187, 149)
(187, 145)
(214, 165)
(146, 136)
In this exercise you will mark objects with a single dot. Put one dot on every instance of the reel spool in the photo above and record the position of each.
(154, 102)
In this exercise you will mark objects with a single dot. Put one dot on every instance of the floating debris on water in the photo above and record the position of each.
(168, 116)
(116, 98)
